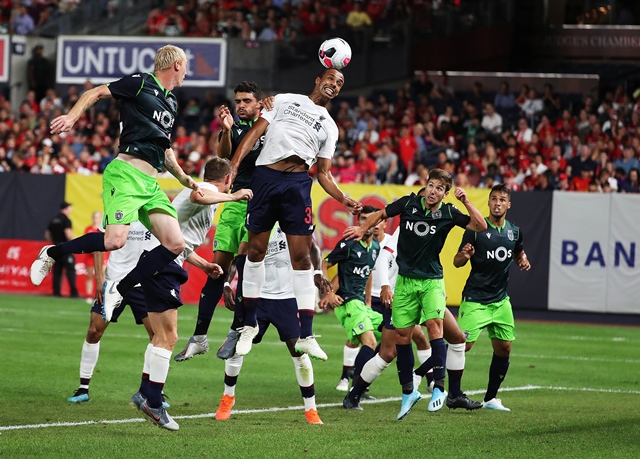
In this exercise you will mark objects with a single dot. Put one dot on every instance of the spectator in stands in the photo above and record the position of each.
(632, 183)
(504, 100)
(629, 160)
(583, 161)
(21, 22)
(358, 19)
(39, 72)
(492, 123)
(532, 105)
(387, 163)
(367, 167)
(418, 178)
(524, 133)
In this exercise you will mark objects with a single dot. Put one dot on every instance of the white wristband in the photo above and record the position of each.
(318, 271)
(227, 284)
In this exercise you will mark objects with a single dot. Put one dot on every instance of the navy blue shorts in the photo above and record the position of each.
(283, 197)
(135, 300)
(162, 291)
(283, 314)
(376, 305)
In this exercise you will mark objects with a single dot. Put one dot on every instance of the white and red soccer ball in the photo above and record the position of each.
(334, 53)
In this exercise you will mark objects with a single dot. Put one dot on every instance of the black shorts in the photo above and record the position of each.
(283, 197)
(162, 291)
(135, 300)
(283, 314)
(376, 305)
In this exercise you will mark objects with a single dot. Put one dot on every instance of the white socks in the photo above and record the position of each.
(423, 355)
(232, 369)
(303, 288)
(456, 357)
(89, 359)
(304, 374)
(349, 355)
(253, 279)
(159, 359)
(373, 368)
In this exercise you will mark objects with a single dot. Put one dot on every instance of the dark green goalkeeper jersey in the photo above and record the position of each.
(248, 164)
(355, 261)
(495, 250)
(423, 234)
(147, 114)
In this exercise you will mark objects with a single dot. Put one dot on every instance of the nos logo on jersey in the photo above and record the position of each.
(164, 118)
(420, 228)
(500, 254)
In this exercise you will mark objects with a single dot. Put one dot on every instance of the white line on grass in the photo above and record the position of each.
(300, 407)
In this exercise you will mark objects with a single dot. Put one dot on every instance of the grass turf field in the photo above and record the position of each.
(574, 391)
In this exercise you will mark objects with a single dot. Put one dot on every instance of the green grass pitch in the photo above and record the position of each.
(574, 391)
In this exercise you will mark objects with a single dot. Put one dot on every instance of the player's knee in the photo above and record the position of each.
(114, 242)
(94, 334)
(388, 353)
(468, 346)
(455, 337)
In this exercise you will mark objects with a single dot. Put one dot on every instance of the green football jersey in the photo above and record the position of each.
(147, 114)
(355, 262)
(248, 164)
(423, 234)
(495, 250)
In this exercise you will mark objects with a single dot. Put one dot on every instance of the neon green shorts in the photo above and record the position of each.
(497, 318)
(129, 195)
(357, 318)
(231, 231)
(417, 300)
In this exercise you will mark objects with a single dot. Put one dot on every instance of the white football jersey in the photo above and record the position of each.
(297, 127)
(278, 283)
(388, 244)
(122, 261)
(195, 220)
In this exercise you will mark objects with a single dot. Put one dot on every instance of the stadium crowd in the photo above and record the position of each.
(528, 140)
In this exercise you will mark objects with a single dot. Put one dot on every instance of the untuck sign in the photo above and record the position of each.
(105, 59)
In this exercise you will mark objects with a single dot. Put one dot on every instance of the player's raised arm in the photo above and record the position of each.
(477, 223)
(64, 123)
(328, 184)
(247, 144)
(171, 164)
(356, 232)
(224, 145)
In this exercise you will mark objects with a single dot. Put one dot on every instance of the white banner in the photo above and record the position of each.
(593, 259)
(623, 273)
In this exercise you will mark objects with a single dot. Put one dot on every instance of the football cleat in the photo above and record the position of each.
(224, 410)
(192, 348)
(158, 416)
(437, 400)
(246, 339)
(81, 395)
(312, 416)
(408, 402)
(351, 404)
(41, 266)
(343, 385)
(462, 401)
(111, 299)
(137, 399)
(228, 348)
(310, 346)
(495, 404)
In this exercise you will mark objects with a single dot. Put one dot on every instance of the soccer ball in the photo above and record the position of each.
(334, 53)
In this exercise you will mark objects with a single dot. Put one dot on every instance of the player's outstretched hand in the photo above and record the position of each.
(188, 182)
(352, 205)
(322, 283)
(267, 103)
(468, 250)
(229, 298)
(244, 194)
(60, 124)
(460, 194)
(354, 232)
(226, 117)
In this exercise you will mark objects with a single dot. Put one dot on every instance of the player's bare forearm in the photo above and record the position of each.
(87, 99)
(224, 146)
(98, 268)
(233, 269)
(208, 197)
(356, 232)
(247, 143)
(459, 260)
(477, 223)
(466, 252)
(171, 164)
(197, 261)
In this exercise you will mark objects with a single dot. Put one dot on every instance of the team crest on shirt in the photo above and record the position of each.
(436, 214)
(119, 215)
(374, 255)
(361, 327)
(510, 235)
